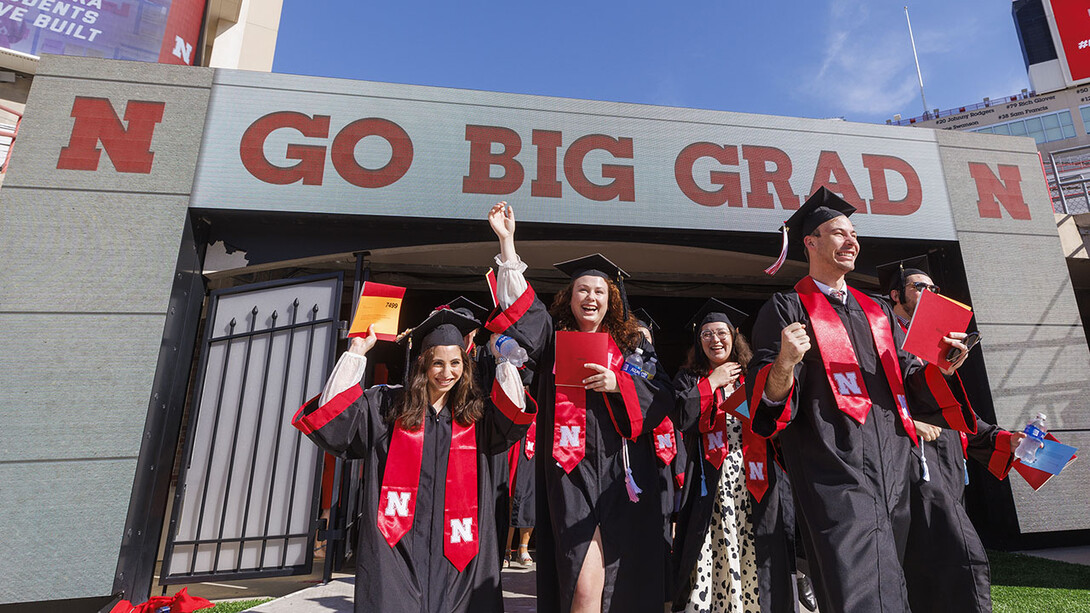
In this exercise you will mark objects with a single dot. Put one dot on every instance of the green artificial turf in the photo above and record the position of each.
(235, 606)
(1027, 584)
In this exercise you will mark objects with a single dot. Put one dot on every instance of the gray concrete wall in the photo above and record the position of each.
(84, 288)
(1035, 350)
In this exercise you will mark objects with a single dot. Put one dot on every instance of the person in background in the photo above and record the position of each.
(946, 566)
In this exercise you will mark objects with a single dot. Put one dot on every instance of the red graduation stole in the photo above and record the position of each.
(570, 419)
(713, 427)
(838, 356)
(401, 479)
(665, 441)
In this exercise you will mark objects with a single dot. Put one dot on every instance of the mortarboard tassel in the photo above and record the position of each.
(775, 267)
(624, 296)
(923, 463)
(634, 490)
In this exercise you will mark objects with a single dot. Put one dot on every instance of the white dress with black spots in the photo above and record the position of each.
(725, 576)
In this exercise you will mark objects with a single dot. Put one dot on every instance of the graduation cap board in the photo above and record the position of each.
(597, 265)
(819, 208)
(644, 319)
(894, 275)
(715, 310)
(468, 308)
(444, 327)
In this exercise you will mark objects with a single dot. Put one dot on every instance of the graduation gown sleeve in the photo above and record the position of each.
(991, 446)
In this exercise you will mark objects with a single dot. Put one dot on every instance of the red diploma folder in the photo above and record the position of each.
(573, 349)
(936, 316)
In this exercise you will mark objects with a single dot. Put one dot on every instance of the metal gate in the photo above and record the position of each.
(247, 499)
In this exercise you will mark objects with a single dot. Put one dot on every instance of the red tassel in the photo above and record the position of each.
(775, 267)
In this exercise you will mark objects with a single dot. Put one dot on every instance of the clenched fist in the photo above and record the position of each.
(794, 343)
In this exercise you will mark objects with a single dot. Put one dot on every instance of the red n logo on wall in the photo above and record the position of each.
(129, 147)
(1006, 189)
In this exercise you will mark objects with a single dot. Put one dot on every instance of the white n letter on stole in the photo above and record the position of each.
(397, 503)
(664, 440)
(569, 436)
(461, 530)
(847, 383)
(757, 471)
(715, 440)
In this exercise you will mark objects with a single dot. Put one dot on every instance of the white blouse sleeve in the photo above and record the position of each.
(348, 372)
(510, 283)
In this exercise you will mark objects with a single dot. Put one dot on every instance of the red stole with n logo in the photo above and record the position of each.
(839, 359)
(570, 418)
(401, 479)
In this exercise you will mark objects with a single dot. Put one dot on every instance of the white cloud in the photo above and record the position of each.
(866, 66)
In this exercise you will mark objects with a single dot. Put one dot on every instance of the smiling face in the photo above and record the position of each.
(589, 302)
(717, 342)
(445, 369)
(835, 246)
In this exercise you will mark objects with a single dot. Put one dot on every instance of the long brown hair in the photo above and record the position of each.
(465, 400)
(623, 330)
(696, 361)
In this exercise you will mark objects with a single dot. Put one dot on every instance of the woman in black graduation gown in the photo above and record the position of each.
(428, 539)
(714, 544)
(598, 549)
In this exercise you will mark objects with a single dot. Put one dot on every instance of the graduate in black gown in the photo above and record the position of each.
(669, 451)
(829, 377)
(598, 546)
(946, 566)
(714, 549)
(427, 540)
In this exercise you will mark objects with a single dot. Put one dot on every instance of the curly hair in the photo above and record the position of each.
(696, 361)
(624, 330)
(465, 398)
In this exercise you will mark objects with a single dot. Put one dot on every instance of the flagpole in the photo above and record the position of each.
(919, 75)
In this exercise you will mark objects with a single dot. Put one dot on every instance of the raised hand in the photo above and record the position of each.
(502, 219)
(605, 381)
(794, 343)
(362, 344)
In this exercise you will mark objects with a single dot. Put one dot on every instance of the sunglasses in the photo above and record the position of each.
(921, 286)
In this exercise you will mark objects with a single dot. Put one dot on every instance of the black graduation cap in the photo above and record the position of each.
(643, 318)
(444, 327)
(597, 265)
(894, 275)
(715, 310)
(819, 208)
(467, 307)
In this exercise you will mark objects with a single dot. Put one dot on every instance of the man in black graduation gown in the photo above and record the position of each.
(946, 566)
(827, 375)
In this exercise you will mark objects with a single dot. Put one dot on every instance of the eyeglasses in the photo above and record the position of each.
(708, 335)
(921, 286)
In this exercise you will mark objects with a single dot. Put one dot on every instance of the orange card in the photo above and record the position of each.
(573, 349)
(934, 318)
(380, 305)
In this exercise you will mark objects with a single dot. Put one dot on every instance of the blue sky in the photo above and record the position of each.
(839, 58)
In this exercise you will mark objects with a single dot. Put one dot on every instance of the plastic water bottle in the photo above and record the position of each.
(1035, 439)
(650, 367)
(633, 364)
(510, 351)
